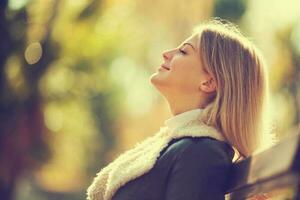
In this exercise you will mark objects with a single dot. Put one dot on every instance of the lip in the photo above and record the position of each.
(165, 67)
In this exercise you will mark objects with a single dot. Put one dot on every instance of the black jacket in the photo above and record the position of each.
(188, 168)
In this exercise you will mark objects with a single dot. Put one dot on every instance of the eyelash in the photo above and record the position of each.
(183, 52)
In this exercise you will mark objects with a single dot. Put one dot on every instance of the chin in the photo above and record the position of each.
(158, 82)
(157, 79)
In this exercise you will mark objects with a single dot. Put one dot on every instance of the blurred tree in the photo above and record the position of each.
(23, 144)
(80, 102)
(288, 39)
(231, 10)
(295, 49)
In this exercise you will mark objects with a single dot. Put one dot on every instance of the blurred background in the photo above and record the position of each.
(75, 89)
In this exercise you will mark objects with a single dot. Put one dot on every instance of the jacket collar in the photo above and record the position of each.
(140, 159)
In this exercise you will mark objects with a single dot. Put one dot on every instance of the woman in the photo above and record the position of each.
(216, 86)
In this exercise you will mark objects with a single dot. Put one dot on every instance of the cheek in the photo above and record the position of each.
(184, 78)
(185, 70)
(180, 68)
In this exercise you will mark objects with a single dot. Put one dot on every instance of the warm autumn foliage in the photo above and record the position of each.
(74, 81)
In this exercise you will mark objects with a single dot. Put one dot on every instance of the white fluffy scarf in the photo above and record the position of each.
(140, 159)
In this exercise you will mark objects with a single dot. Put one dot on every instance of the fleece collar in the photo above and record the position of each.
(183, 118)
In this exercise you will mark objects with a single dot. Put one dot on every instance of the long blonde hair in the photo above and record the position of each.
(238, 108)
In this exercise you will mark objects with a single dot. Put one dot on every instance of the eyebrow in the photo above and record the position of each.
(189, 44)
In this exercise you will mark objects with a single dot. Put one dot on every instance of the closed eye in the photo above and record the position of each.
(181, 51)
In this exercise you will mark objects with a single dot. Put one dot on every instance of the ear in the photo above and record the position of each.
(208, 85)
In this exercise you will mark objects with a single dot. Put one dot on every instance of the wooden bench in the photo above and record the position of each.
(275, 171)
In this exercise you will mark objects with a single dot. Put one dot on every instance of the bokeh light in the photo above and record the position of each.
(33, 53)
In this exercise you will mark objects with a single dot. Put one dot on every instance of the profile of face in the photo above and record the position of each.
(182, 73)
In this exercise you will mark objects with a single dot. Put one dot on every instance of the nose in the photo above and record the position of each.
(167, 54)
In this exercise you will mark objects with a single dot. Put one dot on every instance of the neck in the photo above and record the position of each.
(185, 103)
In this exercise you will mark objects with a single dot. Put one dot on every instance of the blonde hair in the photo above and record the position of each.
(238, 108)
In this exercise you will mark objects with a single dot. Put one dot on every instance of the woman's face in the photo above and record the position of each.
(185, 73)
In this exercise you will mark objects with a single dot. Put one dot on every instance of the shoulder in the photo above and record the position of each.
(199, 148)
(201, 168)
